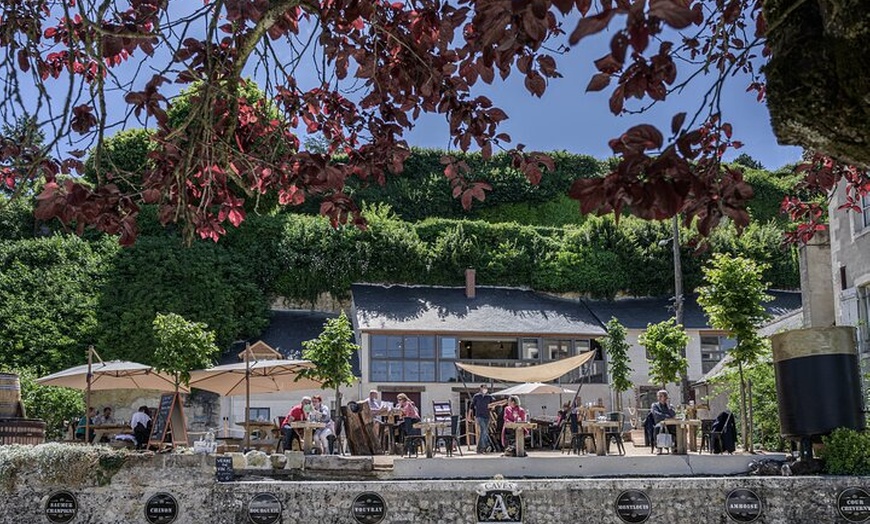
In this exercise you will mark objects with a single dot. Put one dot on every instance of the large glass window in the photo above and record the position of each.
(530, 349)
(408, 358)
(713, 349)
(556, 349)
(594, 371)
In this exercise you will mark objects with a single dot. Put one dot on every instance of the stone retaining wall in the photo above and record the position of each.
(191, 481)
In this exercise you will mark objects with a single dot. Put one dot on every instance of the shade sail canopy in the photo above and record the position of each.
(267, 376)
(535, 388)
(114, 374)
(540, 373)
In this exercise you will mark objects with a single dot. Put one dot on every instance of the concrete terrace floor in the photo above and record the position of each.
(638, 461)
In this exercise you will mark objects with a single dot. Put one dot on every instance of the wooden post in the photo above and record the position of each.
(88, 395)
(247, 396)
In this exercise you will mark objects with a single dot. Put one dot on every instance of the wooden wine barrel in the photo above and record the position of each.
(10, 395)
(22, 431)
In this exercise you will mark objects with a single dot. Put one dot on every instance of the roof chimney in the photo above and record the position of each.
(470, 291)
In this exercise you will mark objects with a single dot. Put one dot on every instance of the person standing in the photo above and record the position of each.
(479, 409)
(140, 423)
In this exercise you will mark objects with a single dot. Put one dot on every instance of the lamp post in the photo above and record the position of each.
(678, 292)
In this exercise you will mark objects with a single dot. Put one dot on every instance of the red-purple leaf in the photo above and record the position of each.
(598, 82)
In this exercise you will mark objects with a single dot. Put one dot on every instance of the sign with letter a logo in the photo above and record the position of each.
(499, 502)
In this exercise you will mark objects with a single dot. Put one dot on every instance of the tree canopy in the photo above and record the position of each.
(380, 65)
(665, 344)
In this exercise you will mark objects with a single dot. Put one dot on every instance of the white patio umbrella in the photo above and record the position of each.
(114, 374)
(535, 388)
(260, 376)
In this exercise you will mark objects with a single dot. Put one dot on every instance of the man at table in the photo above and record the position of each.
(297, 413)
(479, 409)
(106, 418)
(661, 411)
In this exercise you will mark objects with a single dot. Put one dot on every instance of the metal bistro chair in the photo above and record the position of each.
(443, 412)
(615, 434)
(578, 437)
(708, 436)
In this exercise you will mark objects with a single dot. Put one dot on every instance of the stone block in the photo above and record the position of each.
(295, 460)
(238, 460)
(339, 463)
(257, 460)
(278, 461)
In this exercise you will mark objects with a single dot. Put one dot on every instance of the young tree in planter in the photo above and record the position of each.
(331, 352)
(616, 349)
(665, 344)
(733, 300)
(182, 346)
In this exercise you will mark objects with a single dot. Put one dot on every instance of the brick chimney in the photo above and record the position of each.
(470, 291)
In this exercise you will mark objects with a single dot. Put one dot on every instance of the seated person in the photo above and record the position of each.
(563, 419)
(512, 413)
(661, 411)
(106, 419)
(378, 409)
(410, 415)
(320, 413)
(296, 414)
(141, 425)
(84, 422)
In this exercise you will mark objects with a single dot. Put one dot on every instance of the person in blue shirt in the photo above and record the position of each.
(479, 409)
(83, 423)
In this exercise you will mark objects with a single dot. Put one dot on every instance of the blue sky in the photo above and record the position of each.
(569, 119)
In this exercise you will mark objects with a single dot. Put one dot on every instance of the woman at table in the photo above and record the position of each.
(89, 419)
(514, 412)
(410, 415)
(320, 413)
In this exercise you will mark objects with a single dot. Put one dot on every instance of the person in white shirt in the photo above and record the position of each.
(320, 413)
(141, 424)
(106, 418)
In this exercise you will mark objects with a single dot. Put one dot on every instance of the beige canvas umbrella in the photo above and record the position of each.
(260, 376)
(114, 374)
(535, 388)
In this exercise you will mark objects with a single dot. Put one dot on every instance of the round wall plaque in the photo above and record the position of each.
(853, 504)
(743, 505)
(368, 508)
(633, 506)
(161, 508)
(264, 508)
(61, 507)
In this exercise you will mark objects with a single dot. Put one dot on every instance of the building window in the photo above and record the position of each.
(261, 414)
(864, 319)
(865, 211)
(713, 349)
(556, 349)
(530, 349)
(594, 371)
(412, 358)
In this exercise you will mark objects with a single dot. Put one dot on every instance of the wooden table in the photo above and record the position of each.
(687, 433)
(598, 428)
(110, 431)
(429, 434)
(520, 428)
(307, 432)
(261, 433)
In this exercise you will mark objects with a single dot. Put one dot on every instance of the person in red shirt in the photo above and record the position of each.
(296, 413)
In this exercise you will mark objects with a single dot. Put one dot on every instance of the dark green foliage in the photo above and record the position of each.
(203, 282)
(422, 191)
(769, 189)
(123, 159)
(665, 343)
(847, 452)
(49, 289)
(16, 218)
(331, 353)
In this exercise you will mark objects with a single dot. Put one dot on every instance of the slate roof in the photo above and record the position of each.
(286, 332)
(637, 313)
(433, 309)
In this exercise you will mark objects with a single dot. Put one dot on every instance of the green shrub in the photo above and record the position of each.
(847, 452)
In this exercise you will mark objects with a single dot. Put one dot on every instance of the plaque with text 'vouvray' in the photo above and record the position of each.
(368, 508)
(61, 507)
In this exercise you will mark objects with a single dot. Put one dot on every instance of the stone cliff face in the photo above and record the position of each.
(818, 78)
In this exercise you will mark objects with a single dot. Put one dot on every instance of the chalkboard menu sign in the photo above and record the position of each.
(633, 506)
(169, 418)
(853, 504)
(161, 508)
(61, 507)
(264, 508)
(743, 505)
(224, 469)
(368, 508)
